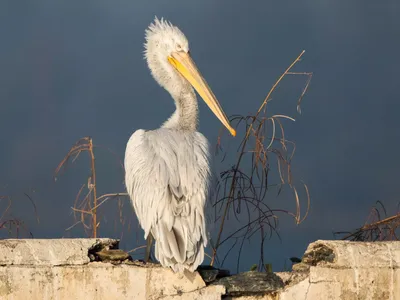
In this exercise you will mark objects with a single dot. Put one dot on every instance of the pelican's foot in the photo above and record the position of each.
(147, 255)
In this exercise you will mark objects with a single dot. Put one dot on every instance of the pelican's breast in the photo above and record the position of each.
(162, 160)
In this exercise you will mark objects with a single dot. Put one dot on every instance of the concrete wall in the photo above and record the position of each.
(64, 269)
(347, 270)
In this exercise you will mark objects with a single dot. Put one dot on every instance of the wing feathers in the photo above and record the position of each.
(167, 175)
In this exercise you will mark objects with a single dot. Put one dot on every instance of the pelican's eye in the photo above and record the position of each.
(178, 47)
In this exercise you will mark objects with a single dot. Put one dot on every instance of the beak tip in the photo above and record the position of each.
(233, 132)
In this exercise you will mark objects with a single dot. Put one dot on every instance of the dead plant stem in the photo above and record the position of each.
(93, 186)
(233, 184)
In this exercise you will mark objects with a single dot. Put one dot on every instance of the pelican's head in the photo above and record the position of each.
(167, 54)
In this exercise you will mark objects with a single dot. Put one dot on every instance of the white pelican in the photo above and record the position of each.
(167, 169)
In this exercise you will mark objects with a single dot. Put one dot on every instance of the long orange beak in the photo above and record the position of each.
(184, 64)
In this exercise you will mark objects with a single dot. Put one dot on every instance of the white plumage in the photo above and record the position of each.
(167, 169)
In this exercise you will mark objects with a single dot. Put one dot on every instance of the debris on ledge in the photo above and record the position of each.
(318, 253)
(107, 251)
(251, 283)
(112, 255)
(210, 274)
(51, 252)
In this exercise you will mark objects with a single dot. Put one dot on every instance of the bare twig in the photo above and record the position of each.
(9, 223)
(375, 228)
(88, 206)
(239, 188)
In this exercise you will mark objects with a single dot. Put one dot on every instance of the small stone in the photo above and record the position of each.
(251, 282)
(210, 274)
(112, 255)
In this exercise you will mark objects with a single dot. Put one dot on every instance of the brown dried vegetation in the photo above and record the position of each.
(85, 206)
(377, 227)
(242, 192)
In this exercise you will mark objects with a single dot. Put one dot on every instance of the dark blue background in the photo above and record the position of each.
(71, 69)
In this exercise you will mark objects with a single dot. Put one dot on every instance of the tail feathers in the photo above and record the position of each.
(178, 248)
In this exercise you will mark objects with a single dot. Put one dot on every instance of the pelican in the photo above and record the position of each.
(167, 170)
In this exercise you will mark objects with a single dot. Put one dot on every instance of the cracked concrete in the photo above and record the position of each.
(61, 269)
(98, 280)
(349, 270)
(52, 252)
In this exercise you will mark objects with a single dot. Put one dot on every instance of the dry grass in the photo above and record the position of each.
(242, 193)
(378, 226)
(11, 226)
(86, 205)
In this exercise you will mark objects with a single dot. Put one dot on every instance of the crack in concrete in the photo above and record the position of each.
(308, 289)
(391, 296)
(180, 293)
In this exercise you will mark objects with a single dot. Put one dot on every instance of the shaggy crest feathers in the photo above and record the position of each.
(163, 33)
(162, 40)
(162, 26)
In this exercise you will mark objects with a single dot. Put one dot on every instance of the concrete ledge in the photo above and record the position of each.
(49, 252)
(346, 254)
(100, 280)
(346, 270)
(62, 269)
(65, 269)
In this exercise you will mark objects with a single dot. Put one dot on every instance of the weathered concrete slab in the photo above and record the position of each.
(350, 270)
(98, 280)
(346, 254)
(61, 269)
(296, 292)
(52, 252)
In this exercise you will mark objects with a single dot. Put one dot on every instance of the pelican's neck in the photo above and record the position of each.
(185, 116)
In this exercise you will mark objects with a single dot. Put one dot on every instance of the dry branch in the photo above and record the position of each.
(238, 189)
(10, 224)
(375, 228)
(87, 208)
